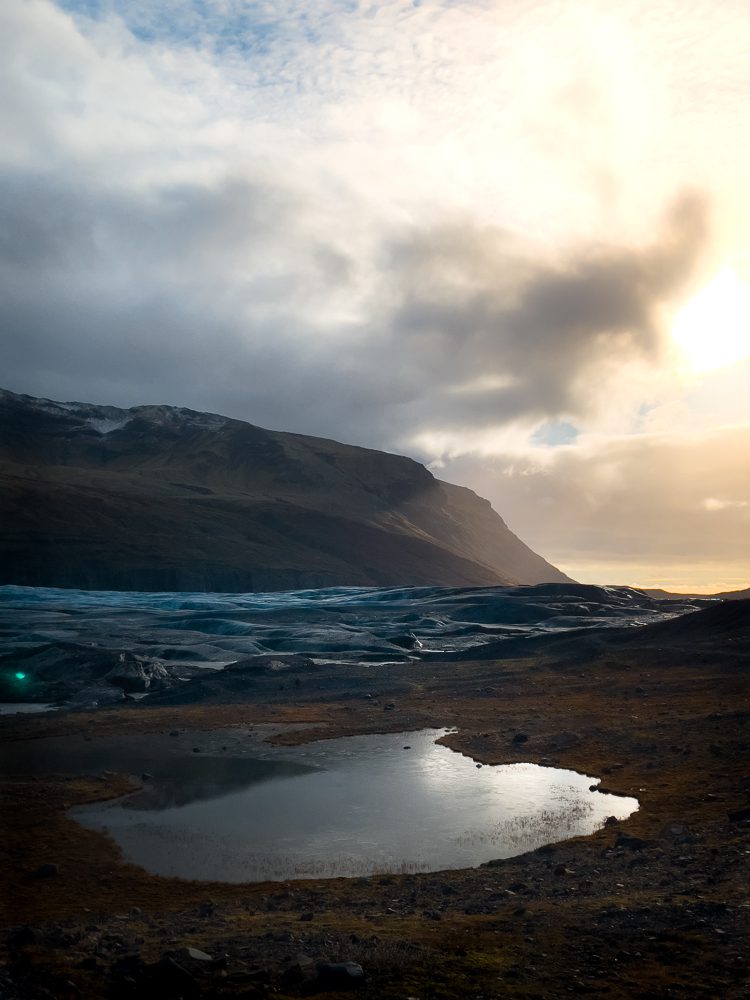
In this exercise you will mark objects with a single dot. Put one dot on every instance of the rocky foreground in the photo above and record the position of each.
(657, 906)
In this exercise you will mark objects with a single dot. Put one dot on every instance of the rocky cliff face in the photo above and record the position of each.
(164, 498)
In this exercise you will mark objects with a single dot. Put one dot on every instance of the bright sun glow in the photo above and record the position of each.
(713, 330)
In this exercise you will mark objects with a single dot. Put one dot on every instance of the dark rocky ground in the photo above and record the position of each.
(657, 906)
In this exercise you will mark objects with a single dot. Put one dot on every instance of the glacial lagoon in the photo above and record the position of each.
(247, 811)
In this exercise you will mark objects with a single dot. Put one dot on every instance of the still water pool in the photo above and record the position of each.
(350, 806)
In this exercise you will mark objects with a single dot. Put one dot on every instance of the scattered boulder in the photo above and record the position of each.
(173, 979)
(521, 738)
(265, 663)
(301, 970)
(676, 831)
(518, 887)
(340, 975)
(83, 674)
(129, 965)
(21, 936)
(563, 741)
(136, 673)
(192, 955)
(90, 962)
(631, 842)
(48, 870)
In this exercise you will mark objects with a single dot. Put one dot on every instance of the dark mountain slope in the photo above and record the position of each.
(164, 498)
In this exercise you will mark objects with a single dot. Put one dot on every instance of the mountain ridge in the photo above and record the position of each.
(157, 497)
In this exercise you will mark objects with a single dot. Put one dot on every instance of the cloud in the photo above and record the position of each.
(715, 504)
(609, 508)
(231, 296)
(471, 306)
(447, 229)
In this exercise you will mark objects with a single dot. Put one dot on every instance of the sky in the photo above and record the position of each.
(509, 238)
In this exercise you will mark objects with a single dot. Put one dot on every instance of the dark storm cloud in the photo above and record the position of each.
(545, 329)
(191, 295)
(218, 297)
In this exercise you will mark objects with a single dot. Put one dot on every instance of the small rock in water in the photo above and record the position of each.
(521, 738)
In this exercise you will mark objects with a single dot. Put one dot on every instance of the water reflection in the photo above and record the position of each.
(357, 805)
(209, 778)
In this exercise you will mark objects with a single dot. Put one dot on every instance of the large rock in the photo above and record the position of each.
(340, 975)
(90, 674)
(136, 673)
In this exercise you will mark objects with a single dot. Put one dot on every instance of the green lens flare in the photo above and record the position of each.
(20, 675)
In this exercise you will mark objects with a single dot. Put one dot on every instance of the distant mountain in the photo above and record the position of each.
(724, 595)
(165, 498)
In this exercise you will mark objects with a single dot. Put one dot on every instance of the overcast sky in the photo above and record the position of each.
(510, 238)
